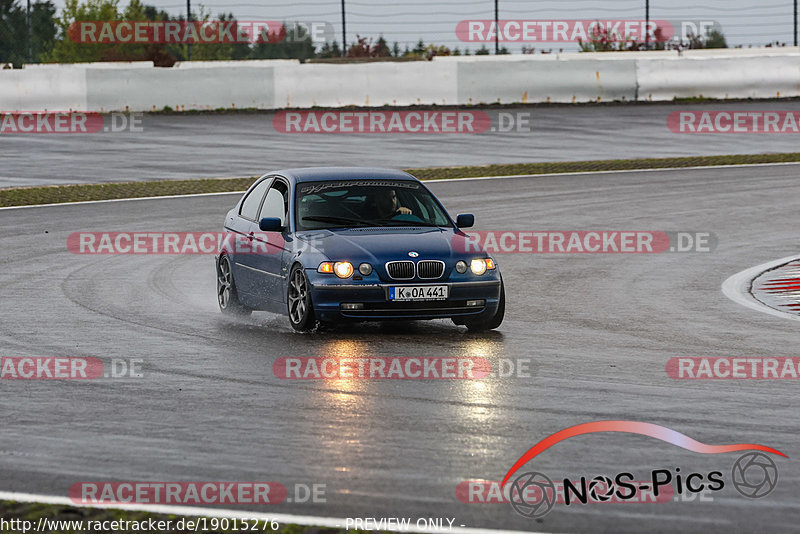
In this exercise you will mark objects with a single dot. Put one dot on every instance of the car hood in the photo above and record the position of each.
(379, 245)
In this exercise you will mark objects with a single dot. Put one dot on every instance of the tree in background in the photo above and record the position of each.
(330, 50)
(14, 31)
(155, 52)
(67, 51)
(714, 39)
(601, 41)
(363, 47)
(238, 50)
(206, 51)
(43, 28)
(433, 50)
(382, 48)
(52, 41)
(292, 44)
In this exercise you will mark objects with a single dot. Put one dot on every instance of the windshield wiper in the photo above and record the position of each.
(402, 222)
(337, 220)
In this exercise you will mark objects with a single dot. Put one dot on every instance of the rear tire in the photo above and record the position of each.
(496, 320)
(300, 307)
(227, 297)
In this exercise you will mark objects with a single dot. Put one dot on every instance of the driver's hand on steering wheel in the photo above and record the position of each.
(404, 211)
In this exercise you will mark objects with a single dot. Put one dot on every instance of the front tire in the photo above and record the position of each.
(227, 296)
(300, 307)
(496, 320)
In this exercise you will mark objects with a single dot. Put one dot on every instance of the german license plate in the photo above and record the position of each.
(417, 292)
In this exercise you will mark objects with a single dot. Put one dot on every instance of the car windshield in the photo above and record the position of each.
(347, 203)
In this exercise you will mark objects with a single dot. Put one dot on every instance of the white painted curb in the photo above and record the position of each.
(737, 288)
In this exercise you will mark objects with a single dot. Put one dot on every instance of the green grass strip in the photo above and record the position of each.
(513, 169)
(26, 196)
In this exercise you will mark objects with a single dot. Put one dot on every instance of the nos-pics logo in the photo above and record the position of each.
(533, 494)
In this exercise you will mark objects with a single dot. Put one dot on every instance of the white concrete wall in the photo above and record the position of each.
(771, 76)
(53, 89)
(267, 84)
(198, 87)
(366, 84)
(546, 78)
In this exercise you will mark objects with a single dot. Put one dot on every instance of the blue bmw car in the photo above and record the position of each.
(328, 245)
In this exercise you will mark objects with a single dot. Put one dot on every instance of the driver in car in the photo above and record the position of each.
(388, 205)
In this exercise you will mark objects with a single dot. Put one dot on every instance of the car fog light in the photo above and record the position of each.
(461, 267)
(365, 269)
(343, 269)
(478, 266)
(475, 303)
(353, 306)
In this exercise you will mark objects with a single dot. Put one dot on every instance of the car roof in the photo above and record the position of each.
(318, 174)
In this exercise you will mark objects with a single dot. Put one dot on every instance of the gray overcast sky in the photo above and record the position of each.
(406, 21)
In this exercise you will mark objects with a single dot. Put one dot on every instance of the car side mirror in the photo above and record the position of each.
(270, 224)
(465, 220)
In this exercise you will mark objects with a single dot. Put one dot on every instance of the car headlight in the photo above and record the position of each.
(461, 267)
(365, 269)
(481, 265)
(343, 269)
(478, 266)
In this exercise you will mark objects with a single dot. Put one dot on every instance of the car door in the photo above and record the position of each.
(269, 246)
(244, 228)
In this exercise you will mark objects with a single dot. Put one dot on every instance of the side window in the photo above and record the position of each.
(277, 202)
(250, 205)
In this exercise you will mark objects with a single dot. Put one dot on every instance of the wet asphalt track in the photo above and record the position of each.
(246, 144)
(597, 328)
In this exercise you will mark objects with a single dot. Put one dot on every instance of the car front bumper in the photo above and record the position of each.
(329, 296)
